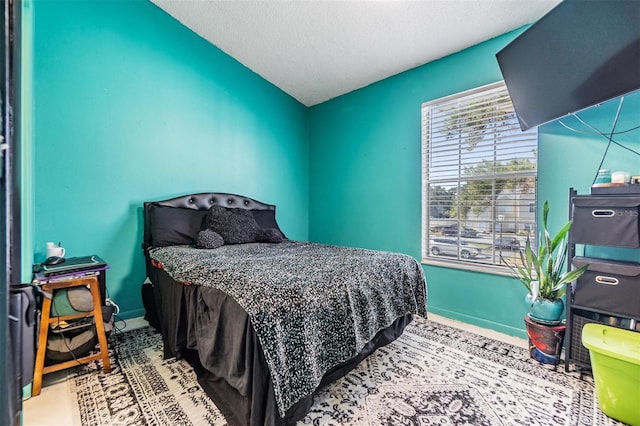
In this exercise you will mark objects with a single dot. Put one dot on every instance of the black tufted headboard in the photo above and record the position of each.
(201, 201)
(205, 200)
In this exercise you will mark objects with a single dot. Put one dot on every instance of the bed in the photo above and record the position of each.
(265, 320)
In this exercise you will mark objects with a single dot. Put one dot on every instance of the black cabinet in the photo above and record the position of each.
(609, 291)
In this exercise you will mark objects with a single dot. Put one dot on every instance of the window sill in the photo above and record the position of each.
(468, 266)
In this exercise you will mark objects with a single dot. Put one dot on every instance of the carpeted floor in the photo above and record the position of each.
(432, 375)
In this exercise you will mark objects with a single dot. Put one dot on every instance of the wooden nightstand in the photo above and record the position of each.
(93, 283)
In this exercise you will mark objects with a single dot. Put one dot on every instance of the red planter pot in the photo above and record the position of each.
(545, 341)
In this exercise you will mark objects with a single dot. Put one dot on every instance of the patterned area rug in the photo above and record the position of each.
(432, 375)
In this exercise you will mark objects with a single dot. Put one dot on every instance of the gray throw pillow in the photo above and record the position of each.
(208, 239)
(269, 235)
(235, 226)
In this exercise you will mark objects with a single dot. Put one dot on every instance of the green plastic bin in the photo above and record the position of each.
(615, 361)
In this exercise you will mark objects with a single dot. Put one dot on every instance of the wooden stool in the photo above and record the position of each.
(46, 320)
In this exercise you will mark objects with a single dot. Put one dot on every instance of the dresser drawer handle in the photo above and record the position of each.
(606, 280)
(603, 213)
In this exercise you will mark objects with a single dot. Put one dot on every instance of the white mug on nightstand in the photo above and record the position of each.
(54, 249)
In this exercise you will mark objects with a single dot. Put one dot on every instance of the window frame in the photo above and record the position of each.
(429, 234)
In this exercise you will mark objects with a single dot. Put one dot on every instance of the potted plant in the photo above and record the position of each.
(545, 277)
(543, 273)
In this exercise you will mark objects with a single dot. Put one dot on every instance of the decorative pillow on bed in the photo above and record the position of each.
(209, 239)
(239, 226)
(235, 226)
(172, 226)
(267, 220)
(269, 235)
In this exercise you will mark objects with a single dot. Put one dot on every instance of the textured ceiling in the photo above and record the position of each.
(316, 50)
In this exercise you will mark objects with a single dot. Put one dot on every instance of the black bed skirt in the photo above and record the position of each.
(262, 410)
(239, 385)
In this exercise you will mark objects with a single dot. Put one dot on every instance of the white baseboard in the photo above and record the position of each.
(512, 340)
(131, 324)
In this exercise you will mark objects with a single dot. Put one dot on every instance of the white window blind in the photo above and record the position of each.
(479, 179)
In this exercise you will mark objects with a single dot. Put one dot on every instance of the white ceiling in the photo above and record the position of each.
(315, 50)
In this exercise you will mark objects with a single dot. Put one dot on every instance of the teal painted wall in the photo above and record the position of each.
(131, 106)
(365, 176)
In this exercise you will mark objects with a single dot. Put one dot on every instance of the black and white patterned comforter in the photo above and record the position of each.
(312, 306)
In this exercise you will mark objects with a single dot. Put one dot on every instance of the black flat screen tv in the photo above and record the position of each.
(581, 53)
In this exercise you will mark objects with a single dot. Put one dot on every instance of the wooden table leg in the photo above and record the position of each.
(102, 337)
(42, 343)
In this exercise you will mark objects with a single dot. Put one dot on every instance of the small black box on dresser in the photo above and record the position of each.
(608, 286)
(606, 220)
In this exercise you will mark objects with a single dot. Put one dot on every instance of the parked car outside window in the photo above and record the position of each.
(449, 247)
(507, 243)
(464, 232)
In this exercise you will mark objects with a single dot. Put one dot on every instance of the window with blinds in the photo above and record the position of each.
(479, 180)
